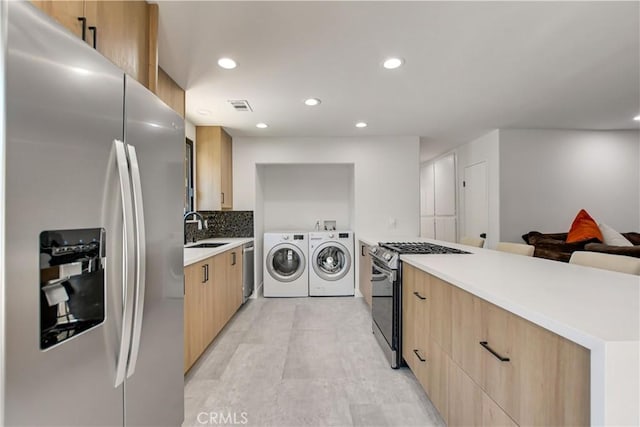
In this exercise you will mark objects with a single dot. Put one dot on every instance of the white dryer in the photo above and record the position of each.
(331, 259)
(285, 264)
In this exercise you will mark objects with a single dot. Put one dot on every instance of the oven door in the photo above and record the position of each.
(382, 306)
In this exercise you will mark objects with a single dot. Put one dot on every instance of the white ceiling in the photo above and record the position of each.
(470, 66)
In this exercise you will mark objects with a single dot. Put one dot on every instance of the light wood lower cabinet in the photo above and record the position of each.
(195, 289)
(365, 273)
(213, 293)
(469, 405)
(487, 366)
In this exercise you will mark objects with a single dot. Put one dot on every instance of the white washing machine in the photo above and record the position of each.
(285, 264)
(331, 259)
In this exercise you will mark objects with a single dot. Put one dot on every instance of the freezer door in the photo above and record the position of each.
(154, 389)
(64, 110)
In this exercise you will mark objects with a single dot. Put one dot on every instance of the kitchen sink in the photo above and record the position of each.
(206, 245)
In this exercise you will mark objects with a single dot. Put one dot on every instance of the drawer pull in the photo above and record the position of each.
(485, 344)
(419, 296)
(415, 350)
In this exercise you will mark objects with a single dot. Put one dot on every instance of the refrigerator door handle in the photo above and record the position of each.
(128, 260)
(141, 255)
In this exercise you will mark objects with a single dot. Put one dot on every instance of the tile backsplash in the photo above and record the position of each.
(222, 224)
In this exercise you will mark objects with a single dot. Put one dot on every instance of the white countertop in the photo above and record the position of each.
(193, 255)
(595, 308)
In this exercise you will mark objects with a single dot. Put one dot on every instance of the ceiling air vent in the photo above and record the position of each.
(240, 104)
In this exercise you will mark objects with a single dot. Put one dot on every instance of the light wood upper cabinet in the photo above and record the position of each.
(126, 32)
(170, 92)
(120, 30)
(365, 273)
(213, 169)
(226, 171)
(65, 12)
(122, 34)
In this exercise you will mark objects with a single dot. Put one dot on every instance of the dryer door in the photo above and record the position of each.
(331, 261)
(286, 262)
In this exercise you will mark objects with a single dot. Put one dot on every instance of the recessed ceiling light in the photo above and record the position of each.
(361, 125)
(637, 118)
(392, 63)
(204, 112)
(312, 102)
(262, 125)
(227, 63)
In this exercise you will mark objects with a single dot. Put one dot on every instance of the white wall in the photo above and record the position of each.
(296, 196)
(385, 179)
(547, 176)
(484, 149)
(190, 130)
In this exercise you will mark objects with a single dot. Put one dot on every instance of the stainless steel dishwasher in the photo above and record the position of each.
(247, 271)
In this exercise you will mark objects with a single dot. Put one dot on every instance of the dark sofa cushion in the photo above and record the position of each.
(554, 246)
(632, 237)
(633, 251)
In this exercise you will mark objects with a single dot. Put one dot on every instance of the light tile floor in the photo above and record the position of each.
(302, 362)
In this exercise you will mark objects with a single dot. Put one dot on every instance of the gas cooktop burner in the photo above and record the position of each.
(420, 248)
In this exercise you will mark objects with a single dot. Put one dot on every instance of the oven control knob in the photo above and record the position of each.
(387, 257)
(285, 237)
(374, 250)
(331, 235)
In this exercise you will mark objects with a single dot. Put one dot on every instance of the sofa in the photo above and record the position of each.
(554, 245)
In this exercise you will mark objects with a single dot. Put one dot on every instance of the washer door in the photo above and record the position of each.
(286, 262)
(331, 261)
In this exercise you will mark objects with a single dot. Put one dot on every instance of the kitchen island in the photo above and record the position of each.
(597, 309)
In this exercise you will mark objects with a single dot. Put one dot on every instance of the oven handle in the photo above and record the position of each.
(382, 273)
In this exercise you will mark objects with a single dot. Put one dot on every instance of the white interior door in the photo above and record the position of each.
(476, 200)
(427, 227)
(446, 228)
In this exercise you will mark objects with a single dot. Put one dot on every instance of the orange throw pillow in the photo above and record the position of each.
(584, 228)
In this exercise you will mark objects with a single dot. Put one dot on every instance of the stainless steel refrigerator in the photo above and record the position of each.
(93, 245)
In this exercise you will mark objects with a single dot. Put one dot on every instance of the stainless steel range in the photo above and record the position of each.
(386, 290)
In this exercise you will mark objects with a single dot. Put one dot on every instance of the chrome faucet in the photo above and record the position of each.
(200, 221)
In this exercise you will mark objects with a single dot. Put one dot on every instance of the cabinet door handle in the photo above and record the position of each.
(204, 273)
(222, 197)
(362, 250)
(415, 350)
(95, 35)
(416, 293)
(233, 258)
(485, 345)
(84, 27)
